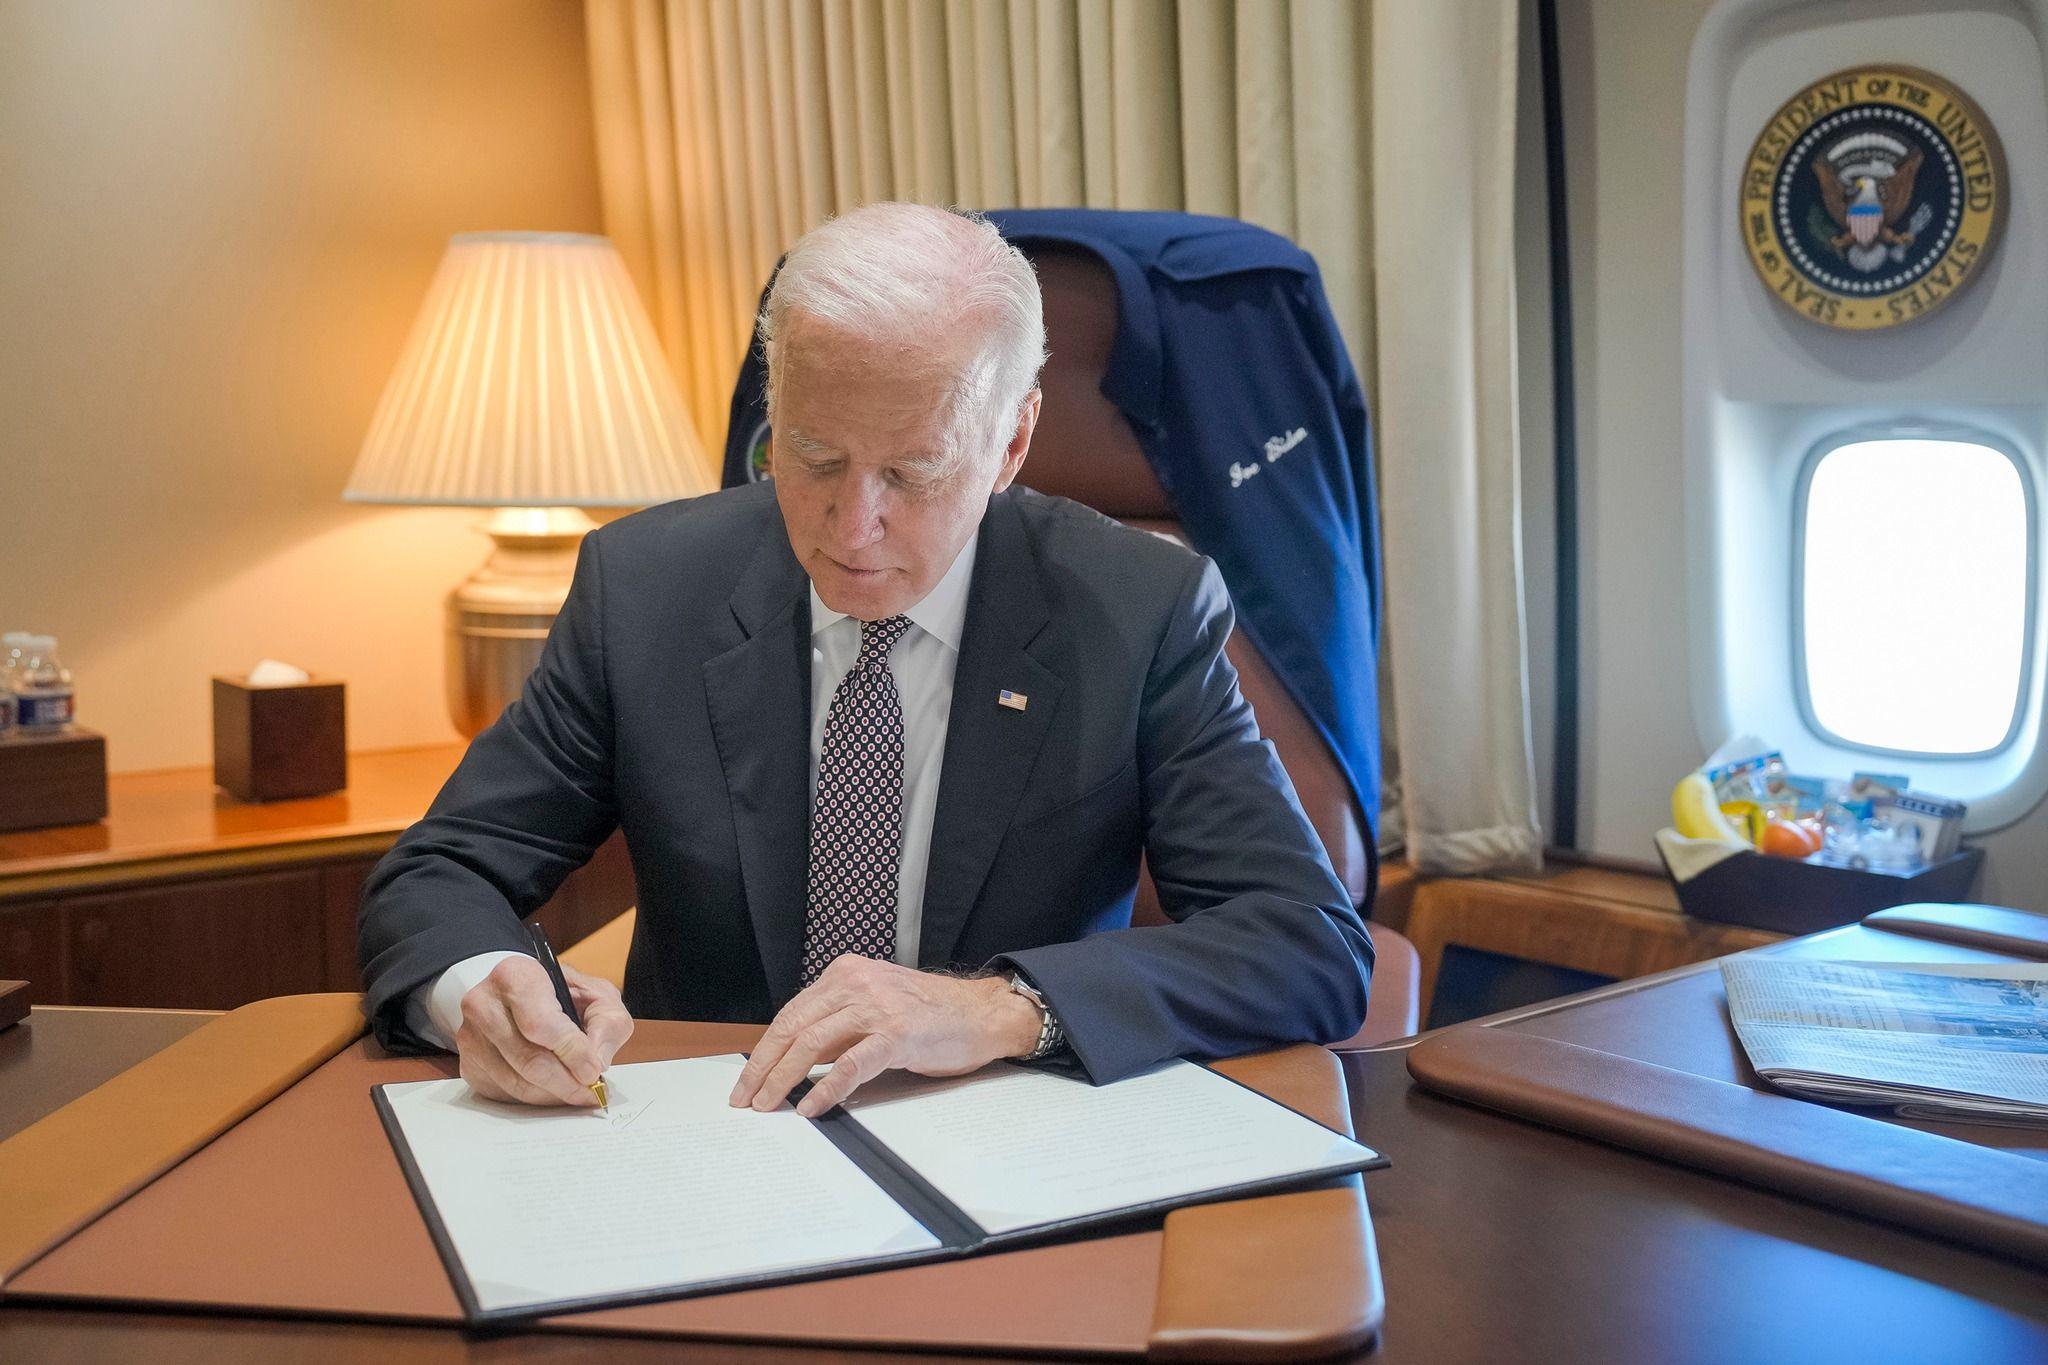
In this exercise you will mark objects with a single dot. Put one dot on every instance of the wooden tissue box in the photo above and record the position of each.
(270, 743)
(58, 779)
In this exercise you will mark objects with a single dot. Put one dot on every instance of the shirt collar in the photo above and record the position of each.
(942, 612)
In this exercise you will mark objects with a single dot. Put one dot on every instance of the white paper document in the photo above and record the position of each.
(1015, 1148)
(673, 1187)
(1937, 1040)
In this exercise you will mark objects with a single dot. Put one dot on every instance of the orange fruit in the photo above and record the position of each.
(1784, 839)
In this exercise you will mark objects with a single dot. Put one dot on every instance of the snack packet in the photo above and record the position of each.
(1865, 789)
(1745, 779)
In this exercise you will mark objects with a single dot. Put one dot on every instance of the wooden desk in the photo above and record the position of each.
(186, 897)
(1499, 1240)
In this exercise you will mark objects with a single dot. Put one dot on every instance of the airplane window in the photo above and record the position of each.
(1913, 599)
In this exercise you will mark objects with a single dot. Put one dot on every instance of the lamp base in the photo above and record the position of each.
(499, 618)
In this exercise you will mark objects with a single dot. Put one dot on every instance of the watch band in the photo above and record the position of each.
(1051, 1037)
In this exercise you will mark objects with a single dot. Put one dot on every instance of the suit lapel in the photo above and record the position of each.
(759, 694)
(990, 749)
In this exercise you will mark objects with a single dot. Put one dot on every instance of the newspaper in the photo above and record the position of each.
(1933, 1040)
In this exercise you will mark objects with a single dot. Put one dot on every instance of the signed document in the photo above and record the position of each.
(675, 1192)
(670, 1186)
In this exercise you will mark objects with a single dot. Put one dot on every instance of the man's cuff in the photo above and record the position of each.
(434, 1011)
(1067, 1058)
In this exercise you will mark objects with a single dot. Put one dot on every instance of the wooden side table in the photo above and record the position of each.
(1589, 919)
(185, 898)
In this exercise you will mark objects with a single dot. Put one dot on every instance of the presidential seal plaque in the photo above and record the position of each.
(1872, 197)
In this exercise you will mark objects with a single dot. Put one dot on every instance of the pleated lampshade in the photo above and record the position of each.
(532, 378)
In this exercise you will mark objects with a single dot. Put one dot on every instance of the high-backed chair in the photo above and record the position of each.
(1085, 450)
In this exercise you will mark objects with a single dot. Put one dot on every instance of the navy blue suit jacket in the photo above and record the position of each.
(673, 699)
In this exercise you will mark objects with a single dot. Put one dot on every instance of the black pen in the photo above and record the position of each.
(543, 950)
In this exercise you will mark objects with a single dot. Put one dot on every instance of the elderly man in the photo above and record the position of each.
(887, 738)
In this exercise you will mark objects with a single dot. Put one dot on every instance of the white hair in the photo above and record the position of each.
(905, 274)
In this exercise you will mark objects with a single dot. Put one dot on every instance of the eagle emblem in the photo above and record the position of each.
(1866, 182)
(1872, 197)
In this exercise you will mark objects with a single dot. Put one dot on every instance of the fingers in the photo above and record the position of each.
(858, 1065)
(538, 1017)
(814, 1002)
(607, 1025)
(880, 1015)
(606, 1021)
(515, 1038)
(821, 1042)
(584, 988)
(494, 1078)
(547, 1078)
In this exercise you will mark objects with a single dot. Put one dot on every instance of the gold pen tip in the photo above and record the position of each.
(597, 1089)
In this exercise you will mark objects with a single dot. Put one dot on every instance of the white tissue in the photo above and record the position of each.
(1687, 858)
(271, 673)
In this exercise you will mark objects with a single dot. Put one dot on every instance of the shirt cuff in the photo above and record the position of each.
(434, 1011)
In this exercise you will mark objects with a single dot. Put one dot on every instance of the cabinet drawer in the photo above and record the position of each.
(213, 944)
(32, 949)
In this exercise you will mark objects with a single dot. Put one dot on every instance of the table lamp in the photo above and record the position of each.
(532, 384)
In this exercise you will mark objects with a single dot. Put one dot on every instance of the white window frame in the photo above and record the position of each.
(1961, 433)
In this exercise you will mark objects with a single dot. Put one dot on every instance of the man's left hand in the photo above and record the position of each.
(866, 1017)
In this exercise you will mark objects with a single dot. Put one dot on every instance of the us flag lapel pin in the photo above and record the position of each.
(1016, 701)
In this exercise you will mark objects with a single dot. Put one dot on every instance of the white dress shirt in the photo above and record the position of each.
(923, 662)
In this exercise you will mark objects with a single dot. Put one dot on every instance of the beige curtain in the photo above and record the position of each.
(726, 128)
(1444, 132)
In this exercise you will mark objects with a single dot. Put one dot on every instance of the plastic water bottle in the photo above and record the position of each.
(13, 646)
(41, 687)
(7, 702)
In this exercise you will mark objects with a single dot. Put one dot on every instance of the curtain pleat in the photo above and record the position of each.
(1062, 150)
(1208, 106)
(757, 125)
(712, 57)
(963, 106)
(1450, 483)
(993, 102)
(781, 121)
(1021, 55)
(1265, 118)
(1145, 93)
(1094, 43)
(1330, 41)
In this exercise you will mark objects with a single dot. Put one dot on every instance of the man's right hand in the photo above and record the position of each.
(516, 1044)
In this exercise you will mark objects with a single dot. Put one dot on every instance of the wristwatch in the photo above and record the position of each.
(1051, 1037)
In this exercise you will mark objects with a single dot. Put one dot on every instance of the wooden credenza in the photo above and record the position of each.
(186, 898)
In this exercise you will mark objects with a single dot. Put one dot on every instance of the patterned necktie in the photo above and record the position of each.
(857, 819)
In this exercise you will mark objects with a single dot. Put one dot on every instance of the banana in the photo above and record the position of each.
(1697, 814)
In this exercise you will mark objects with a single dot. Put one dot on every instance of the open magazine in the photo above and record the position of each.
(1934, 1040)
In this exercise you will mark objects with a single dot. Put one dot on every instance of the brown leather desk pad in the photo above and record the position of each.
(1658, 1069)
(301, 1209)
